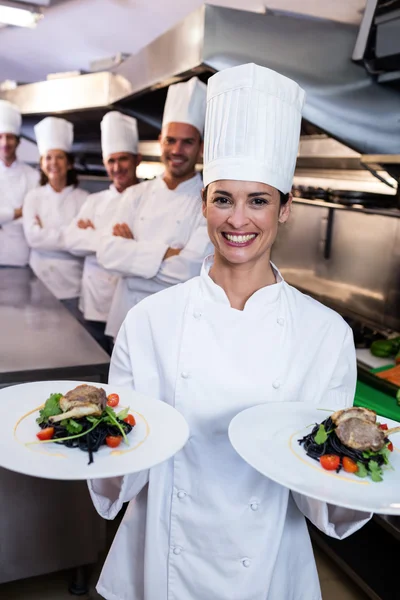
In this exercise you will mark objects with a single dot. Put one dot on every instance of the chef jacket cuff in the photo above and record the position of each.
(335, 521)
(109, 495)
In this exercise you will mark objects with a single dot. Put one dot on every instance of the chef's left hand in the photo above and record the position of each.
(122, 230)
(85, 223)
(38, 221)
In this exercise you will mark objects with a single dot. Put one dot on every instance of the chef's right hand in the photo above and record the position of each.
(18, 213)
(171, 252)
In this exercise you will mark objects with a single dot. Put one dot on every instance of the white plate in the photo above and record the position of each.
(159, 433)
(266, 437)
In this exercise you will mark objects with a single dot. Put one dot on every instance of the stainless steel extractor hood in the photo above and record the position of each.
(342, 99)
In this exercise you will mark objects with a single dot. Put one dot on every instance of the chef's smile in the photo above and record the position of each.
(239, 239)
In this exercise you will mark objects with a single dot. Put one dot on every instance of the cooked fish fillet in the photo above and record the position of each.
(80, 402)
(77, 412)
(354, 412)
(361, 435)
(84, 394)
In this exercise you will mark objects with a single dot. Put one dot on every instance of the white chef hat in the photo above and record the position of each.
(186, 103)
(10, 118)
(119, 133)
(53, 133)
(252, 126)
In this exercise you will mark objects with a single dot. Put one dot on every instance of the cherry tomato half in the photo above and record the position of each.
(45, 434)
(390, 447)
(383, 426)
(330, 462)
(113, 441)
(130, 419)
(113, 400)
(349, 465)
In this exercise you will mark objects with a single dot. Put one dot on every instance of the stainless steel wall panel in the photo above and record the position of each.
(362, 274)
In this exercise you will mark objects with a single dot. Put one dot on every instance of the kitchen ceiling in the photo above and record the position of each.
(74, 33)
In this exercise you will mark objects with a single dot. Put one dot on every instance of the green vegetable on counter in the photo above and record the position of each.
(386, 348)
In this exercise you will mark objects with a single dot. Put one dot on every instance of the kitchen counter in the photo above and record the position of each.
(39, 338)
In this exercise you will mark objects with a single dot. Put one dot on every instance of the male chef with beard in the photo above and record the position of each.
(16, 179)
(159, 237)
(120, 148)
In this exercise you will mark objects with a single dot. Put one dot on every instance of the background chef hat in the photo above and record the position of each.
(119, 133)
(54, 133)
(10, 118)
(252, 126)
(186, 103)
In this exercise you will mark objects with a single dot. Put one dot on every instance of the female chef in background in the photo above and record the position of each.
(49, 209)
(205, 525)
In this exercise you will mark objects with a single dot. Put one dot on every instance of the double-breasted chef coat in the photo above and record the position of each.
(98, 284)
(159, 218)
(15, 182)
(54, 266)
(204, 525)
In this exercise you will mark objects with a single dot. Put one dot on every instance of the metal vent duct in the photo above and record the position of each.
(342, 99)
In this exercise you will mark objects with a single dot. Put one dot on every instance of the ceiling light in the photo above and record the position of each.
(20, 17)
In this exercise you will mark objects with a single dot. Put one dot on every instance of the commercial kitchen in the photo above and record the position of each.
(341, 244)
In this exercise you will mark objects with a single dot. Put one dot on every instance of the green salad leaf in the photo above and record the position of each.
(123, 414)
(321, 436)
(72, 426)
(50, 409)
(362, 470)
(375, 471)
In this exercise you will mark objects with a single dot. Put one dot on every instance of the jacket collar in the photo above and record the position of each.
(265, 296)
(191, 186)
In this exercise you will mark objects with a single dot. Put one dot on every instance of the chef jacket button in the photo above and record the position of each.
(197, 314)
(181, 494)
(280, 321)
(276, 384)
(246, 563)
(177, 550)
(185, 375)
(254, 506)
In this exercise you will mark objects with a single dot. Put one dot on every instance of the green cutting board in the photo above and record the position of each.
(381, 403)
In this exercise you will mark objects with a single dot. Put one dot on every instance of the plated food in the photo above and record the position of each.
(157, 431)
(84, 418)
(266, 437)
(353, 440)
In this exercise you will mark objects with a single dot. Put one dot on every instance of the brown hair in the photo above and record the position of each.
(72, 174)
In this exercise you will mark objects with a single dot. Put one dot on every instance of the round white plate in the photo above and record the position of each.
(159, 433)
(266, 437)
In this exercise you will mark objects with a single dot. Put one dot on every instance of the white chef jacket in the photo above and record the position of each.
(98, 284)
(205, 525)
(54, 266)
(15, 182)
(159, 218)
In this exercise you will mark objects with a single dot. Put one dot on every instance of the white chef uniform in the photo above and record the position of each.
(15, 182)
(159, 218)
(51, 262)
(204, 524)
(119, 133)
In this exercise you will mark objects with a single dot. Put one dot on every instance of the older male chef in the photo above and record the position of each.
(16, 179)
(160, 236)
(119, 142)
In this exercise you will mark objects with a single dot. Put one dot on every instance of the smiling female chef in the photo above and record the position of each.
(49, 209)
(205, 525)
